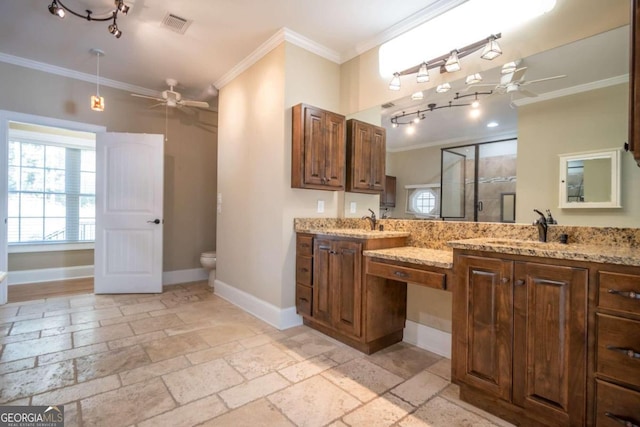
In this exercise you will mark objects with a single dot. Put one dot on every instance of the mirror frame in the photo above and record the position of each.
(614, 156)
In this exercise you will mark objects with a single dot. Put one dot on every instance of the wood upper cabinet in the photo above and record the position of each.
(318, 149)
(366, 153)
(634, 83)
(520, 338)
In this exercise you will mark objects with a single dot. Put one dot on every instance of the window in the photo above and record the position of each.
(51, 185)
(423, 200)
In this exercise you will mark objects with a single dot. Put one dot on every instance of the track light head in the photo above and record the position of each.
(123, 8)
(54, 9)
(113, 29)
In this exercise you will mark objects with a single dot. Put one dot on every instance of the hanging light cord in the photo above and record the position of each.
(98, 76)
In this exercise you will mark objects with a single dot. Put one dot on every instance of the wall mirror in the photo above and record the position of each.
(590, 180)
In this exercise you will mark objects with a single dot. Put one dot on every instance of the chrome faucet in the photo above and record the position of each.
(372, 219)
(542, 226)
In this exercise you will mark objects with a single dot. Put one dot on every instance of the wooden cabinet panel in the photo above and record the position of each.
(482, 307)
(616, 406)
(304, 245)
(366, 157)
(406, 274)
(618, 350)
(549, 356)
(322, 291)
(634, 83)
(346, 268)
(318, 149)
(304, 300)
(303, 270)
(619, 292)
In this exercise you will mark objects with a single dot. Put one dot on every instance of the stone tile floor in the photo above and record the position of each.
(187, 357)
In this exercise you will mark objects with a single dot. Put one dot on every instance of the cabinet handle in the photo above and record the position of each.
(626, 294)
(519, 282)
(304, 270)
(629, 352)
(505, 280)
(401, 274)
(303, 299)
(624, 421)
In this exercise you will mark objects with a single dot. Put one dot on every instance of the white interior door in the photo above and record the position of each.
(129, 191)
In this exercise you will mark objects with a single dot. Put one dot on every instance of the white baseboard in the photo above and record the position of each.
(428, 338)
(184, 276)
(281, 318)
(49, 274)
(53, 274)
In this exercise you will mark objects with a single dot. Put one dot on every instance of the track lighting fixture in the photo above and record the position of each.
(449, 62)
(395, 82)
(58, 8)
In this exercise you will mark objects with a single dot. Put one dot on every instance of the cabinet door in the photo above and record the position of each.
(550, 344)
(634, 96)
(314, 147)
(388, 198)
(378, 156)
(322, 294)
(361, 151)
(334, 150)
(482, 312)
(346, 280)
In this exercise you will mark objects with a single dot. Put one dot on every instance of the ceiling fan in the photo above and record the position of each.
(513, 83)
(172, 98)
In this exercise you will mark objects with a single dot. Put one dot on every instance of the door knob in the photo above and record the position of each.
(155, 221)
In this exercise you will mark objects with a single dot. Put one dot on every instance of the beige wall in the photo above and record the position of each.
(190, 159)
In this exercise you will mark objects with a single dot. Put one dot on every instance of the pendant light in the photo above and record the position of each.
(97, 102)
(395, 82)
(423, 73)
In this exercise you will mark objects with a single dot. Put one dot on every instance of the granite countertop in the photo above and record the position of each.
(625, 255)
(355, 232)
(423, 256)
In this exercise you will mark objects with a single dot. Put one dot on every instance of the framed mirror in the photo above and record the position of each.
(590, 180)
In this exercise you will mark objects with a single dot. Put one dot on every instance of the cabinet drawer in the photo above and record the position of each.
(619, 292)
(406, 274)
(619, 348)
(304, 245)
(303, 300)
(304, 267)
(616, 404)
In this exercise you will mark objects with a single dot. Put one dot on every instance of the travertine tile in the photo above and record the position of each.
(201, 380)
(152, 370)
(142, 307)
(39, 324)
(7, 311)
(420, 388)
(440, 412)
(20, 337)
(28, 382)
(169, 347)
(151, 324)
(186, 327)
(67, 311)
(71, 354)
(404, 359)
(441, 368)
(384, 411)
(95, 315)
(307, 368)
(124, 319)
(259, 413)
(77, 391)
(110, 362)
(260, 361)
(127, 405)
(253, 390)
(69, 329)
(103, 334)
(136, 339)
(30, 348)
(217, 335)
(71, 415)
(362, 379)
(49, 305)
(17, 365)
(325, 402)
(343, 354)
(188, 415)
(216, 352)
(452, 393)
(306, 345)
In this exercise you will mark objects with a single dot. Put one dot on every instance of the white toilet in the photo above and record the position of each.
(208, 261)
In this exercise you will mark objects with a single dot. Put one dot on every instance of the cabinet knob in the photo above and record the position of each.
(519, 282)
(505, 280)
(401, 274)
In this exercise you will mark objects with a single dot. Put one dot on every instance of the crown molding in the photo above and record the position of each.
(438, 7)
(72, 74)
(600, 84)
(505, 134)
(282, 35)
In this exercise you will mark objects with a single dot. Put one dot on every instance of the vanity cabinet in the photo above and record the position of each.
(318, 149)
(388, 197)
(366, 153)
(634, 84)
(520, 341)
(367, 314)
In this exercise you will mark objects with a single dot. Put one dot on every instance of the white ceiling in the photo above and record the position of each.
(222, 34)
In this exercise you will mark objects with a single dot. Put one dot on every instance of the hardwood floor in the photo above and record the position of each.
(34, 291)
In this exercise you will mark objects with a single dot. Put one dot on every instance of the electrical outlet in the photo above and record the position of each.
(320, 206)
(352, 207)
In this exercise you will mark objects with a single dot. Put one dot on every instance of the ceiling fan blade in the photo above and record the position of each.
(137, 95)
(157, 105)
(518, 74)
(527, 93)
(187, 110)
(469, 87)
(196, 104)
(544, 79)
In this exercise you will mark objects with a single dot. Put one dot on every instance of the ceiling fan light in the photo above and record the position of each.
(417, 96)
(395, 82)
(453, 63)
(491, 50)
(423, 73)
(509, 67)
(473, 78)
(442, 88)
